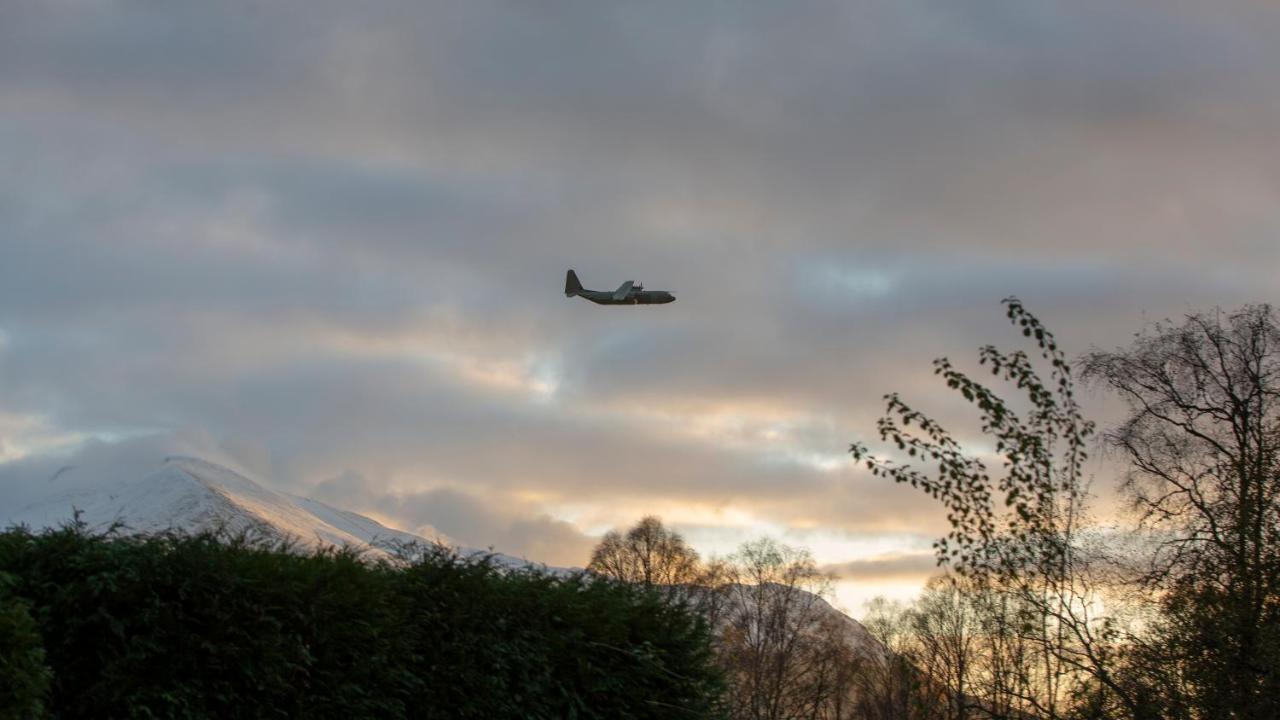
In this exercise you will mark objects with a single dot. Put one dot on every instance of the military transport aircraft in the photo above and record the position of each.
(628, 293)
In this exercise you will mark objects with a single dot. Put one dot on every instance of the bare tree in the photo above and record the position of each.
(1203, 439)
(889, 685)
(962, 649)
(651, 555)
(787, 656)
(1006, 679)
(944, 626)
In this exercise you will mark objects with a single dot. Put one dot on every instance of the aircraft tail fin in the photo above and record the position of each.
(571, 285)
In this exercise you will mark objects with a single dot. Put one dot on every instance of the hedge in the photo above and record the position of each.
(199, 626)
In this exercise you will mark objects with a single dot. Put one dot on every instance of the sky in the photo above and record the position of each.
(326, 242)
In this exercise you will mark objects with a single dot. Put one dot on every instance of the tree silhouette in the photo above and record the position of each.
(1203, 440)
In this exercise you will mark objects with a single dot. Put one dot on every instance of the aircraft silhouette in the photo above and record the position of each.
(628, 293)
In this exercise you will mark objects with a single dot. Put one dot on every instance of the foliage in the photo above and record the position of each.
(1043, 455)
(1016, 531)
(206, 626)
(24, 678)
(527, 644)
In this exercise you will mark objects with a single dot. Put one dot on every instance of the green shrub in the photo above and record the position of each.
(178, 626)
(526, 644)
(24, 678)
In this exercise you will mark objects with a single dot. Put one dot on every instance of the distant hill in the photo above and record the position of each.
(194, 495)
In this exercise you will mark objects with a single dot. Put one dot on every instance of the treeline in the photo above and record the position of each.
(177, 626)
(1170, 610)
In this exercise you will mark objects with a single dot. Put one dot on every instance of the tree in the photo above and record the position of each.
(960, 650)
(944, 625)
(650, 555)
(783, 647)
(1017, 530)
(889, 684)
(1203, 439)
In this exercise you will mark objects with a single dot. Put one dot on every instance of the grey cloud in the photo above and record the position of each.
(298, 228)
(494, 523)
(30, 480)
(503, 524)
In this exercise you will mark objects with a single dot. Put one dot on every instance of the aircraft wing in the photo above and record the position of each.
(623, 289)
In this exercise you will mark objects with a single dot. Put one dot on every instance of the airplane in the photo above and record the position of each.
(628, 293)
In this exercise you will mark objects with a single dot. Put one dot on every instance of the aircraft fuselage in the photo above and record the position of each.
(628, 294)
(635, 297)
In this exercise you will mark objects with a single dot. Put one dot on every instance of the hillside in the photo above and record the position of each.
(191, 494)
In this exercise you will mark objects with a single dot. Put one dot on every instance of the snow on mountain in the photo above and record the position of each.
(190, 494)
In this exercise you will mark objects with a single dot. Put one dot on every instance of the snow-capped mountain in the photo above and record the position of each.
(190, 494)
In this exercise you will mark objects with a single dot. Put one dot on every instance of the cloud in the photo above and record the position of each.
(38, 477)
(334, 240)
(504, 524)
(892, 567)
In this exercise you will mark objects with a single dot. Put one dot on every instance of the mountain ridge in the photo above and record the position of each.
(193, 495)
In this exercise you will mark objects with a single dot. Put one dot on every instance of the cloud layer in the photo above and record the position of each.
(333, 237)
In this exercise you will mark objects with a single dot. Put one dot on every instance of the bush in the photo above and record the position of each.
(526, 644)
(24, 678)
(181, 626)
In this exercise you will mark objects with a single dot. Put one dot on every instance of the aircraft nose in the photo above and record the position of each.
(668, 297)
